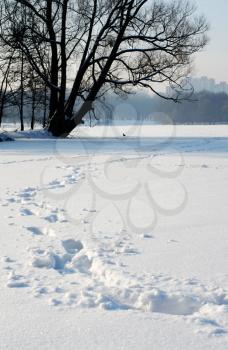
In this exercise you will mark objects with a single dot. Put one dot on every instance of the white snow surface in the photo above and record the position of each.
(113, 242)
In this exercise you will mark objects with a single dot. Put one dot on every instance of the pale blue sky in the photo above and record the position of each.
(213, 61)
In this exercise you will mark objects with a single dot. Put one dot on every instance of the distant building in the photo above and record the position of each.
(205, 84)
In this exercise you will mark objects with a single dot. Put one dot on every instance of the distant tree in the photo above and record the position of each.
(205, 107)
(5, 66)
(36, 96)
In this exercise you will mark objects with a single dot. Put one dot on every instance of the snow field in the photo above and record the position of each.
(125, 231)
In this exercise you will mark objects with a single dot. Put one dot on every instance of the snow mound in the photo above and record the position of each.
(5, 137)
(31, 134)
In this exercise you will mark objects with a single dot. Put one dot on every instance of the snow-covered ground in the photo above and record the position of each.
(113, 242)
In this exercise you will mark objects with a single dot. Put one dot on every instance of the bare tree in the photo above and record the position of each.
(130, 43)
(119, 45)
(5, 66)
(37, 97)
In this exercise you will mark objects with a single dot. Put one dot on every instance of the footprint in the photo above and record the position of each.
(29, 189)
(35, 230)
(26, 195)
(26, 212)
(6, 259)
(46, 259)
(52, 218)
(38, 231)
(11, 200)
(146, 235)
(71, 246)
(16, 281)
(78, 259)
(17, 284)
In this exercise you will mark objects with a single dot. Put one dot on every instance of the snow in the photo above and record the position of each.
(4, 137)
(115, 243)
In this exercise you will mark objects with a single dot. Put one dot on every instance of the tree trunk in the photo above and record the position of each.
(60, 126)
(33, 108)
(1, 107)
(63, 57)
(22, 93)
(54, 61)
(45, 107)
(53, 103)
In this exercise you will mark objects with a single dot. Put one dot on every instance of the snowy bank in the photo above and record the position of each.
(5, 137)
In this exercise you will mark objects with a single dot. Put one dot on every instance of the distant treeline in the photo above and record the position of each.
(204, 107)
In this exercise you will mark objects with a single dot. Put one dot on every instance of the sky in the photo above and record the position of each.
(213, 61)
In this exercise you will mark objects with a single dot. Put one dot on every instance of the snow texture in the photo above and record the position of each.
(115, 244)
